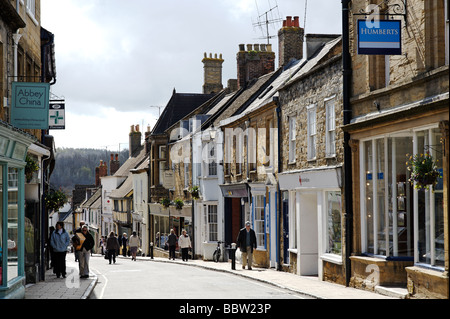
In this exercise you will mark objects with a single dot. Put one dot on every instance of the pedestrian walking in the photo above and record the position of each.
(76, 240)
(246, 241)
(124, 244)
(86, 243)
(112, 247)
(172, 242)
(134, 243)
(59, 241)
(184, 242)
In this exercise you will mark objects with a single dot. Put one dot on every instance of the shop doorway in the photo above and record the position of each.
(308, 252)
(233, 219)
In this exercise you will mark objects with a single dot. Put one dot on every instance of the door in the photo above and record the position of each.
(285, 207)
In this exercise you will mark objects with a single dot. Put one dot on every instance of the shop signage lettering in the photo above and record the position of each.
(30, 105)
(381, 38)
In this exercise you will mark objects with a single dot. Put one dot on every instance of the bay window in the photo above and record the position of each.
(398, 220)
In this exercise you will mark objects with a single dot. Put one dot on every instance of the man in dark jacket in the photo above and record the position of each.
(246, 241)
(86, 243)
(172, 241)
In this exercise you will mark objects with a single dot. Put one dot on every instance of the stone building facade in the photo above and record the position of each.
(399, 106)
(310, 177)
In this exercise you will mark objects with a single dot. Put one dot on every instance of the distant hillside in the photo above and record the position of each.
(77, 166)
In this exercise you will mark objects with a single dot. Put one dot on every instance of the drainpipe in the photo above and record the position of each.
(346, 65)
(280, 206)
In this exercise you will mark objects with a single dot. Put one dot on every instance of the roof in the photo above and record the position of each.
(131, 163)
(88, 202)
(179, 105)
(123, 190)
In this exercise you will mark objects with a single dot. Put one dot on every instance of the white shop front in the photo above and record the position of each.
(314, 216)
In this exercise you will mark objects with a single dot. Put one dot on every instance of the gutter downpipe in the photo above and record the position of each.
(347, 71)
(279, 204)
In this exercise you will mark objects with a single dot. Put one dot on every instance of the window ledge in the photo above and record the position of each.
(335, 259)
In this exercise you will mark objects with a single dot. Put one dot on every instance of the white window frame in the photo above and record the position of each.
(212, 225)
(312, 131)
(414, 210)
(186, 172)
(330, 138)
(259, 215)
(31, 10)
(447, 33)
(292, 138)
(161, 168)
(212, 162)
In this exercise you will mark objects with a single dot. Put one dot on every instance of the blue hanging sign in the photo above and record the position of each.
(382, 37)
(29, 107)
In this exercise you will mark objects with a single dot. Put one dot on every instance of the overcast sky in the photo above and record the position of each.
(117, 58)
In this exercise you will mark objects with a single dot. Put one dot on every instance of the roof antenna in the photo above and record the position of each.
(265, 19)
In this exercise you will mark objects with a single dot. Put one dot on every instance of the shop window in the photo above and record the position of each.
(13, 222)
(392, 210)
(333, 223)
(259, 219)
(1, 225)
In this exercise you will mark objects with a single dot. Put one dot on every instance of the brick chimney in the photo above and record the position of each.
(134, 141)
(100, 171)
(212, 67)
(290, 41)
(114, 164)
(254, 61)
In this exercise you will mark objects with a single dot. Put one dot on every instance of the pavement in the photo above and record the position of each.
(72, 287)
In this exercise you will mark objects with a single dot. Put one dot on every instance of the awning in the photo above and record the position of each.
(234, 190)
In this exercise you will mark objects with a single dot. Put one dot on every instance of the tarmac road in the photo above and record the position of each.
(160, 280)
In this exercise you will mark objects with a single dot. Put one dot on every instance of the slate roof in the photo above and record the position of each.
(179, 105)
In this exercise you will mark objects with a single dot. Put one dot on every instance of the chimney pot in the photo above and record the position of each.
(241, 47)
(289, 21)
(249, 47)
(296, 23)
(256, 47)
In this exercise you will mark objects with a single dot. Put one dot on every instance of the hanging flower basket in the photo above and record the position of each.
(178, 204)
(195, 193)
(423, 170)
(165, 202)
(55, 199)
(30, 167)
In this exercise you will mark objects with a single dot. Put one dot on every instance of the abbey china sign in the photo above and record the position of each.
(30, 104)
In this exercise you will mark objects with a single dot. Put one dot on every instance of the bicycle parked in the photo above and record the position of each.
(218, 252)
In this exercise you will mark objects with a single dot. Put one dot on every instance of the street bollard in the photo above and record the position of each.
(151, 250)
(233, 256)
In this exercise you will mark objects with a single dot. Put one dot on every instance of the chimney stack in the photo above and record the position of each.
(134, 141)
(100, 171)
(254, 62)
(290, 41)
(212, 74)
(114, 164)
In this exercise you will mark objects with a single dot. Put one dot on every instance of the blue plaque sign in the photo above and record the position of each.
(382, 37)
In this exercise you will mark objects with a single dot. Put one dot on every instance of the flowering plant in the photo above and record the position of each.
(165, 202)
(423, 170)
(195, 192)
(55, 199)
(178, 203)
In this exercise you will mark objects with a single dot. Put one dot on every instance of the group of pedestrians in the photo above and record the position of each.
(113, 246)
(184, 242)
(82, 242)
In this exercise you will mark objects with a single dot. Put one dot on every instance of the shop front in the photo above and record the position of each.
(314, 203)
(13, 150)
(401, 226)
(163, 220)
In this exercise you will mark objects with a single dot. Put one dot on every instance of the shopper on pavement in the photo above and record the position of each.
(124, 244)
(59, 241)
(84, 250)
(76, 240)
(112, 247)
(184, 242)
(134, 243)
(246, 241)
(172, 241)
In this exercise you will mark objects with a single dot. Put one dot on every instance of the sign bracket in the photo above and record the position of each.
(387, 9)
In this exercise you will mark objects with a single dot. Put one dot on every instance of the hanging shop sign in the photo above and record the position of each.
(30, 103)
(56, 113)
(380, 38)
